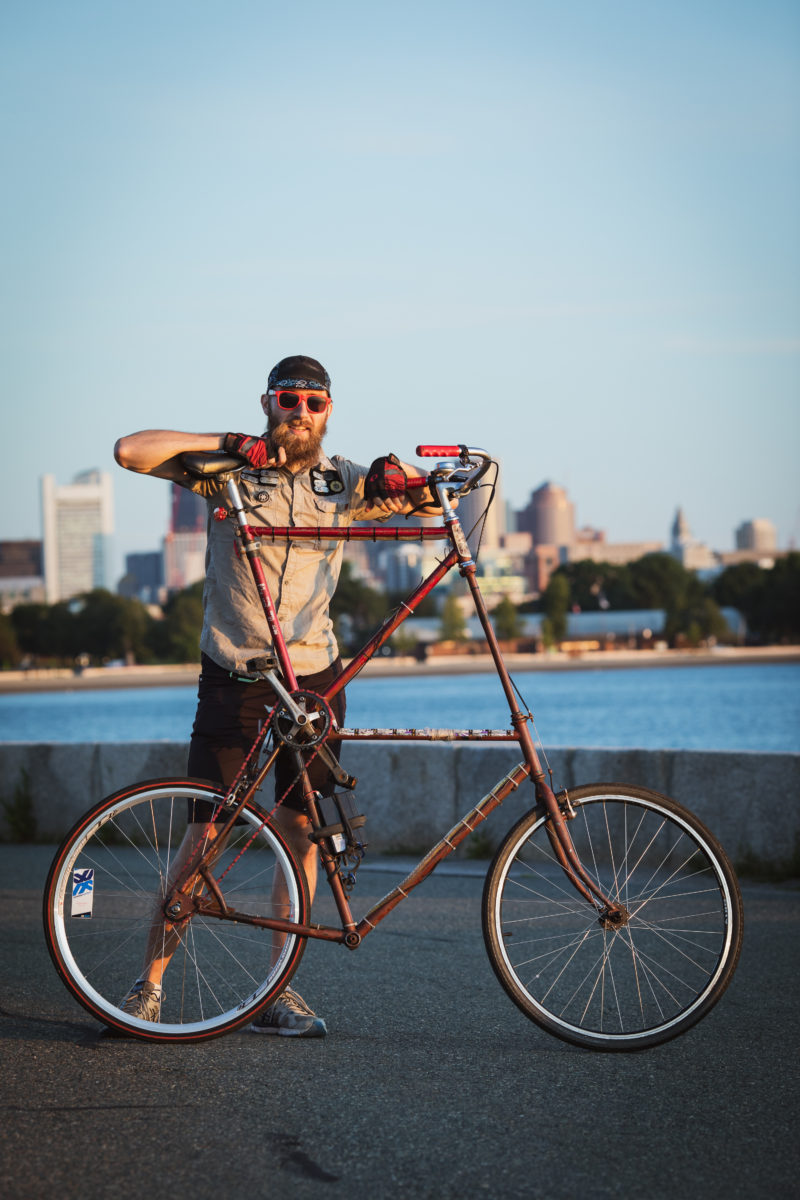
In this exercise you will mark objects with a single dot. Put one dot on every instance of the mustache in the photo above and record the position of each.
(299, 453)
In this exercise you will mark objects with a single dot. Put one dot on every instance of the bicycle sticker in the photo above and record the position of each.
(82, 892)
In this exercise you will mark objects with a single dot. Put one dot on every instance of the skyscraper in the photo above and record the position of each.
(757, 534)
(185, 543)
(77, 524)
(549, 516)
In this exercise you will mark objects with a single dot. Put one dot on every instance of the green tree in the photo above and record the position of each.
(555, 602)
(507, 621)
(741, 587)
(697, 620)
(9, 650)
(109, 626)
(356, 608)
(660, 581)
(453, 627)
(768, 598)
(780, 612)
(45, 633)
(177, 638)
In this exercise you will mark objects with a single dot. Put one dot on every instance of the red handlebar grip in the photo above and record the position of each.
(411, 481)
(438, 451)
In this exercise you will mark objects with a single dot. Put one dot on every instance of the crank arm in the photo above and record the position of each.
(300, 718)
(333, 765)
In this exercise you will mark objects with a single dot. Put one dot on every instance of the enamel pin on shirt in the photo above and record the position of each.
(326, 482)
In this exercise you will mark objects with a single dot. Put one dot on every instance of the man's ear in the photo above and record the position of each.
(265, 403)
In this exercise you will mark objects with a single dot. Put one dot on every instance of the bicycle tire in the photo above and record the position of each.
(614, 989)
(221, 973)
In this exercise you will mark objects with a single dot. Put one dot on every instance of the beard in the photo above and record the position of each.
(303, 449)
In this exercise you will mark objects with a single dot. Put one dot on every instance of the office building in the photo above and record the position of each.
(21, 575)
(549, 516)
(185, 543)
(144, 576)
(759, 535)
(77, 522)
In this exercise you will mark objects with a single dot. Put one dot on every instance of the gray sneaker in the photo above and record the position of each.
(144, 1001)
(289, 1016)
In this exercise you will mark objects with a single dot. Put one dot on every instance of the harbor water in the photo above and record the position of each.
(740, 706)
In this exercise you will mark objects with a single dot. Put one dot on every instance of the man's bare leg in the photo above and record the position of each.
(295, 828)
(164, 938)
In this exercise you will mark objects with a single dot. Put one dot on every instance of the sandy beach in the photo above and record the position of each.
(185, 675)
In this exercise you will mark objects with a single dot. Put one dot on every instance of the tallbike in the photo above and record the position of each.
(611, 915)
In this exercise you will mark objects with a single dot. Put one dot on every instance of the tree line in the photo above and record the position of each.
(99, 626)
(768, 598)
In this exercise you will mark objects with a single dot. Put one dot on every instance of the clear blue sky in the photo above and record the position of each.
(566, 231)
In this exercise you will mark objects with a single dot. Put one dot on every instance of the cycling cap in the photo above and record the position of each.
(299, 371)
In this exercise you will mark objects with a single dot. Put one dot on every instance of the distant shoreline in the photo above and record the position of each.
(185, 675)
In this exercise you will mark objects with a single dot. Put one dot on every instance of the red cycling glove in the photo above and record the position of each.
(385, 478)
(254, 450)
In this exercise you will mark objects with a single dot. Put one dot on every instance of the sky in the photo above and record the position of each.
(564, 231)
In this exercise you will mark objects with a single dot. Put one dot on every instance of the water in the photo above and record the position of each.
(746, 707)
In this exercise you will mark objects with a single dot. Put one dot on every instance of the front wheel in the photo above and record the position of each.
(577, 975)
(104, 920)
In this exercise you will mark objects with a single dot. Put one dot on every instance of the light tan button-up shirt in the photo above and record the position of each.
(301, 575)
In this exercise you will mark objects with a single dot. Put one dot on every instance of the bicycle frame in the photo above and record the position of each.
(182, 904)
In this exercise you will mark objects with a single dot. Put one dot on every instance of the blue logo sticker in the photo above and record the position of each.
(82, 881)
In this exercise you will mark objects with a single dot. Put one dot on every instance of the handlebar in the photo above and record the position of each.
(457, 477)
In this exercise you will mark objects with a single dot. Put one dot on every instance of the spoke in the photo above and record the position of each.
(569, 905)
(553, 954)
(653, 966)
(673, 944)
(93, 858)
(223, 945)
(635, 963)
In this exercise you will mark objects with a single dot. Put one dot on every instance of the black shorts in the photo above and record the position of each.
(229, 713)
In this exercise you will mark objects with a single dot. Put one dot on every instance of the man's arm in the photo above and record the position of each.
(157, 451)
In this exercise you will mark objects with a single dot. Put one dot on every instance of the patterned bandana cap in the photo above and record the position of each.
(298, 371)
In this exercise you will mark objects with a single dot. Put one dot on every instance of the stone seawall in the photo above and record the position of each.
(412, 794)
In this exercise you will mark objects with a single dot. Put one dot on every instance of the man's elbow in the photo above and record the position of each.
(123, 454)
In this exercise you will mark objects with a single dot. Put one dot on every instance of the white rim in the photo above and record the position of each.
(75, 972)
(723, 957)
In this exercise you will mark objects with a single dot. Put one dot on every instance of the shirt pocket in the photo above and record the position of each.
(326, 510)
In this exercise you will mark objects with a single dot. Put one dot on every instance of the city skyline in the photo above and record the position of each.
(180, 521)
(565, 233)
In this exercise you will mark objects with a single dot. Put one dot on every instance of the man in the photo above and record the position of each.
(289, 481)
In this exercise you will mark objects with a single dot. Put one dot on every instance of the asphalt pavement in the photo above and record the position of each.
(430, 1083)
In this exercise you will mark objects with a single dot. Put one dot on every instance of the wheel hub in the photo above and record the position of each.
(614, 918)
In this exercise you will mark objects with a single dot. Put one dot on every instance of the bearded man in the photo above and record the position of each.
(288, 480)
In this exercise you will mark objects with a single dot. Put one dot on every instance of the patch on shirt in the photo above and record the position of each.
(262, 478)
(261, 483)
(326, 483)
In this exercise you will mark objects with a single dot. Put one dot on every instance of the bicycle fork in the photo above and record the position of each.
(610, 911)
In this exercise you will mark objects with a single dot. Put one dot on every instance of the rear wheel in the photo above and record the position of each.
(607, 987)
(103, 913)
